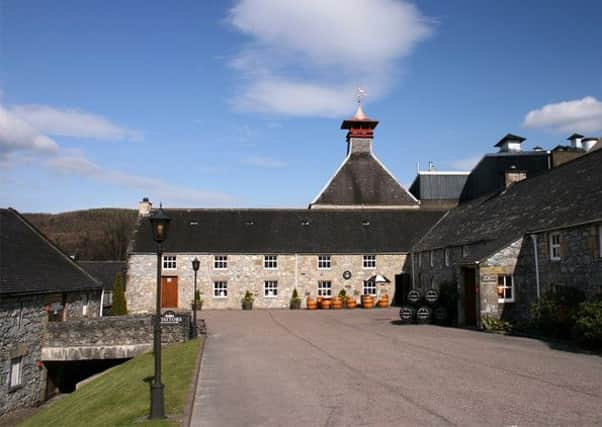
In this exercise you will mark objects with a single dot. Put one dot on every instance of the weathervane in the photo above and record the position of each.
(361, 93)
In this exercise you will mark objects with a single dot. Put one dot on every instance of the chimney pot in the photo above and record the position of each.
(144, 207)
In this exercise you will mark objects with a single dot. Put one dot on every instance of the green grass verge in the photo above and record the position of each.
(121, 397)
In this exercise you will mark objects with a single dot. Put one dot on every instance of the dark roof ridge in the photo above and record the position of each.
(51, 244)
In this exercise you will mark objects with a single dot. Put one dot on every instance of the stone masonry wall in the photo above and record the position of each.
(23, 321)
(21, 326)
(246, 272)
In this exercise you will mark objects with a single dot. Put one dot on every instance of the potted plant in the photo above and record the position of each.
(342, 297)
(197, 302)
(247, 301)
(295, 300)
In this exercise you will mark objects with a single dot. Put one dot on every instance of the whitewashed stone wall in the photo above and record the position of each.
(247, 272)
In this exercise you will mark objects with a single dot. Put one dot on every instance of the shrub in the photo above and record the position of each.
(493, 324)
(248, 298)
(342, 294)
(554, 315)
(588, 323)
(119, 307)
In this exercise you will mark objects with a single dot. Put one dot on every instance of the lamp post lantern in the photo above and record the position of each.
(160, 226)
(195, 266)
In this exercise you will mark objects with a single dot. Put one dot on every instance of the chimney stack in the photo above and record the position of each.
(361, 132)
(144, 207)
(588, 143)
(513, 175)
(576, 140)
(510, 143)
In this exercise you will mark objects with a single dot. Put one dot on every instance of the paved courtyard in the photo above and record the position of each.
(357, 368)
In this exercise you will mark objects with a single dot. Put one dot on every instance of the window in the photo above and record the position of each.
(505, 289)
(85, 305)
(220, 262)
(419, 254)
(270, 262)
(16, 365)
(220, 289)
(446, 256)
(369, 261)
(270, 289)
(169, 262)
(324, 262)
(432, 258)
(369, 287)
(555, 246)
(464, 251)
(324, 288)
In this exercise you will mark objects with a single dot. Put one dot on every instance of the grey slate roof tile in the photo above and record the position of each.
(31, 264)
(568, 194)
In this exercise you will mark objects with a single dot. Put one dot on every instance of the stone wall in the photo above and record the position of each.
(23, 321)
(246, 272)
(114, 337)
(580, 265)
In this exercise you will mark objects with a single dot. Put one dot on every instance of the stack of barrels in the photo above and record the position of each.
(422, 309)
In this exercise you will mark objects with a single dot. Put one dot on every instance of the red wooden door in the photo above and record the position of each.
(169, 291)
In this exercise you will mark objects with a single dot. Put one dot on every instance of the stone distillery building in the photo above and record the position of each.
(38, 284)
(504, 250)
(360, 225)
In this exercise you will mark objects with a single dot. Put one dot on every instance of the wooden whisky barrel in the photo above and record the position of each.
(407, 314)
(431, 296)
(423, 315)
(414, 296)
(383, 302)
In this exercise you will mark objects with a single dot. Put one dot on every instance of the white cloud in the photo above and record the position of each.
(72, 123)
(75, 163)
(264, 162)
(18, 135)
(306, 58)
(580, 115)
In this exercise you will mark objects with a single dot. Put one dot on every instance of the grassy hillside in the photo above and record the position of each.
(94, 234)
(121, 397)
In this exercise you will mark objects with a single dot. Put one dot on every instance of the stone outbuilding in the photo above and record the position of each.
(38, 284)
(502, 251)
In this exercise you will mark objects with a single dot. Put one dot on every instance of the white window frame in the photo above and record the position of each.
(504, 285)
(369, 288)
(369, 262)
(419, 259)
(220, 286)
(15, 375)
(85, 300)
(270, 289)
(220, 262)
(169, 263)
(270, 262)
(446, 256)
(464, 251)
(555, 246)
(324, 262)
(324, 288)
(432, 258)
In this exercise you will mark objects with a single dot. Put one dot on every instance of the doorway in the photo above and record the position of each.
(169, 291)
(470, 297)
(403, 284)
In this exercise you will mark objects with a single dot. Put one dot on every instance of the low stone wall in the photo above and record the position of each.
(113, 337)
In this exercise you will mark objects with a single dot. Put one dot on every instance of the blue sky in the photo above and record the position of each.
(239, 104)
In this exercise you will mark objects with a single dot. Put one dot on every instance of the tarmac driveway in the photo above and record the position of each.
(356, 367)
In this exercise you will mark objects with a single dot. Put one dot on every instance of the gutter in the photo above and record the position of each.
(534, 240)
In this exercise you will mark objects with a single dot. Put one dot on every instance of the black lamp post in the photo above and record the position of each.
(195, 266)
(160, 225)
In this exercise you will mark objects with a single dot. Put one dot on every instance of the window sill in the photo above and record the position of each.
(505, 301)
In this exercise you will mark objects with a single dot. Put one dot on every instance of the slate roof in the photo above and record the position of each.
(363, 180)
(438, 185)
(105, 271)
(31, 264)
(488, 175)
(568, 194)
(288, 231)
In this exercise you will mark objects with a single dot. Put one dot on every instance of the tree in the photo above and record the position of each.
(119, 304)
